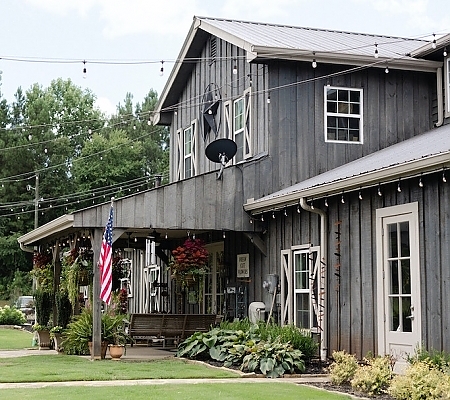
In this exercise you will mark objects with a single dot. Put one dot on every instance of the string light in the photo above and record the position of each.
(379, 190)
(399, 188)
(420, 182)
(386, 69)
(298, 208)
(268, 98)
(314, 62)
(445, 52)
(326, 201)
(262, 217)
(161, 71)
(433, 44)
(273, 214)
(360, 195)
(224, 235)
(376, 50)
(234, 67)
(342, 199)
(444, 179)
(84, 69)
(285, 212)
(250, 81)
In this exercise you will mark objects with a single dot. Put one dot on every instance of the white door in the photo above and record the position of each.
(399, 314)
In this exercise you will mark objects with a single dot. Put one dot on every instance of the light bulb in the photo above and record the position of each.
(234, 69)
(387, 69)
(399, 188)
(433, 44)
(84, 69)
(379, 191)
(360, 195)
(314, 63)
(268, 98)
(420, 182)
(326, 202)
(376, 50)
(273, 214)
(161, 71)
(445, 52)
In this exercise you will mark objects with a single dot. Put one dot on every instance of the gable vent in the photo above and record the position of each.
(212, 50)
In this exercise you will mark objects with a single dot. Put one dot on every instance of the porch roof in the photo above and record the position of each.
(199, 204)
(421, 154)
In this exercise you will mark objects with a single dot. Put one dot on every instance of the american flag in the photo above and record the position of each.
(105, 261)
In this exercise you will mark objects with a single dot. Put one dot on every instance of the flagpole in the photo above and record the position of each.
(97, 243)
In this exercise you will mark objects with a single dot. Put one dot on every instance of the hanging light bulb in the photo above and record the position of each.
(84, 69)
(326, 201)
(268, 98)
(420, 182)
(273, 214)
(379, 190)
(314, 62)
(165, 237)
(235, 68)
(444, 179)
(224, 235)
(312, 204)
(298, 208)
(285, 212)
(149, 121)
(45, 150)
(445, 52)
(342, 199)
(399, 188)
(360, 195)
(161, 71)
(250, 82)
(262, 217)
(376, 50)
(386, 69)
(433, 44)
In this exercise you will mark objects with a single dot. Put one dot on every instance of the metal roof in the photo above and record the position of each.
(423, 153)
(314, 40)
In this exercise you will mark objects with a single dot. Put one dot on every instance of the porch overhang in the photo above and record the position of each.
(421, 154)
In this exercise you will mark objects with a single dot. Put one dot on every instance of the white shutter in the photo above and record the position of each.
(287, 285)
(194, 149)
(179, 156)
(228, 120)
(247, 124)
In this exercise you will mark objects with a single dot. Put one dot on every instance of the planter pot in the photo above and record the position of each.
(103, 351)
(57, 339)
(44, 340)
(116, 351)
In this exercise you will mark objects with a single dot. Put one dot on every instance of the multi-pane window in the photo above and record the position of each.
(187, 153)
(302, 303)
(343, 115)
(238, 127)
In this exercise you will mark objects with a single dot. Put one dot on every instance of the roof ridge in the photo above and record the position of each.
(313, 29)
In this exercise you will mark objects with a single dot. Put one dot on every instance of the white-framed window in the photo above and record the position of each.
(302, 303)
(187, 152)
(447, 86)
(302, 290)
(237, 126)
(343, 114)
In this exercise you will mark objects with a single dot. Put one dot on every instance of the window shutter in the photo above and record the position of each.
(247, 124)
(228, 121)
(194, 126)
(287, 284)
(179, 156)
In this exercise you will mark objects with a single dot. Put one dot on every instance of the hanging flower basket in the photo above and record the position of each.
(189, 261)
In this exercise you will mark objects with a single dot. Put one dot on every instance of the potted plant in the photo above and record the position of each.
(44, 306)
(56, 336)
(189, 261)
(117, 337)
(43, 335)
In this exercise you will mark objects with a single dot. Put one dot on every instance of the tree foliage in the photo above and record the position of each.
(57, 134)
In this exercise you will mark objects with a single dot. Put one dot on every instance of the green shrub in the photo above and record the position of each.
(421, 381)
(437, 359)
(373, 378)
(244, 349)
(343, 368)
(11, 316)
(273, 359)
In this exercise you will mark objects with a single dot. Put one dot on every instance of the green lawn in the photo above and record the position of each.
(204, 391)
(15, 339)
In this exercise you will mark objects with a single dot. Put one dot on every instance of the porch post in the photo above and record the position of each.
(96, 235)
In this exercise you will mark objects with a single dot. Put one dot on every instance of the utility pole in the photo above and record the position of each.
(36, 202)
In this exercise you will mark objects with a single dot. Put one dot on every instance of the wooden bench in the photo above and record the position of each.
(169, 326)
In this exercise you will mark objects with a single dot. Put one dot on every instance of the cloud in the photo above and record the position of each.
(105, 105)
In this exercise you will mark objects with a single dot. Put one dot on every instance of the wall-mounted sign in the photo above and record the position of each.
(243, 270)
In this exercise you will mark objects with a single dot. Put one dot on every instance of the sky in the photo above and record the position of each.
(128, 31)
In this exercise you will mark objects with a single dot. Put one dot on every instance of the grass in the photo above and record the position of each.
(204, 391)
(15, 339)
(58, 368)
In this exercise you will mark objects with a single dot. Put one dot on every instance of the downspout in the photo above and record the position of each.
(323, 275)
(440, 97)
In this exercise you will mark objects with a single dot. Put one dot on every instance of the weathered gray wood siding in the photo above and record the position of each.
(352, 274)
(397, 106)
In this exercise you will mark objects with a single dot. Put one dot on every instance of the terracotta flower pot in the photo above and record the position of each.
(44, 340)
(116, 351)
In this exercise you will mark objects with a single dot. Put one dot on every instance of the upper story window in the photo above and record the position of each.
(447, 86)
(343, 115)
(187, 152)
(237, 118)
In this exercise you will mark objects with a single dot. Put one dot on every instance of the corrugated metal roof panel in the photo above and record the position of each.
(315, 40)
